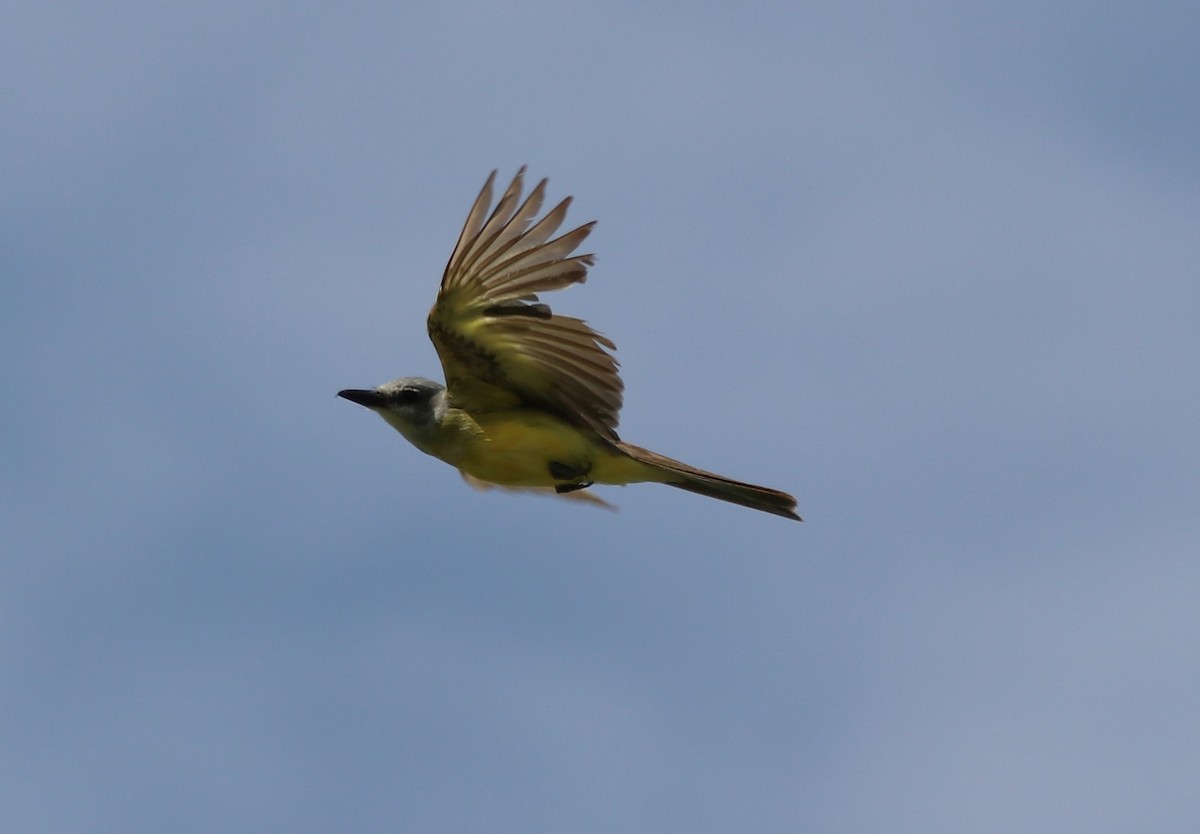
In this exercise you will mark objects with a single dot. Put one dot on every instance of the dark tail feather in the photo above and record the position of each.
(715, 486)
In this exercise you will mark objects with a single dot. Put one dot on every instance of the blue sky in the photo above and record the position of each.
(931, 268)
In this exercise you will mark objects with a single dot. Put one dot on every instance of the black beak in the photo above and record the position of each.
(371, 399)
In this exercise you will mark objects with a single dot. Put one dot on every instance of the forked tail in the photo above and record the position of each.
(715, 486)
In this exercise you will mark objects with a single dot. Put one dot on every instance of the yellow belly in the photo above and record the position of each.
(516, 448)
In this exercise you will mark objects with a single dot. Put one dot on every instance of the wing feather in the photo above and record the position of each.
(505, 223)
(470, 231)
(525, 260)
(516, 283)
(500, 347)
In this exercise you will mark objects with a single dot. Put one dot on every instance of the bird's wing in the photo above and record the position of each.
(580, 496)
(500, 347)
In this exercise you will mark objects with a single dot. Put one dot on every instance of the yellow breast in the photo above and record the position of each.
(515, 448)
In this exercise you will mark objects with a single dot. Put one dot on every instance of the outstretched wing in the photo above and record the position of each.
(581, 496)
(500, 347)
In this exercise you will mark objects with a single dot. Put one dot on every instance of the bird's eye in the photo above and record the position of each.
(406, 396)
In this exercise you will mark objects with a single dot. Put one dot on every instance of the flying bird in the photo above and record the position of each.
(531, 397)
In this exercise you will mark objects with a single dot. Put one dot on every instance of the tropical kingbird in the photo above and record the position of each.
(531, 397)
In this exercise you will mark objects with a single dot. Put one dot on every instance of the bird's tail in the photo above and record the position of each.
(681, 475)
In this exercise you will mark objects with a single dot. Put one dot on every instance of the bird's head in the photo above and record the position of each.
(412, 405)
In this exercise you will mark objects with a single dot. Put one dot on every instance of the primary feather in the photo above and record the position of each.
(499, 345)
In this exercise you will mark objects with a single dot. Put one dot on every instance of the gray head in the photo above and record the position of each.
(410, 403)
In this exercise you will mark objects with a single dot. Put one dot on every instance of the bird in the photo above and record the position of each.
(531, 398)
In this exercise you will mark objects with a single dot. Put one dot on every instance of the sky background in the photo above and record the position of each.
(931, 267)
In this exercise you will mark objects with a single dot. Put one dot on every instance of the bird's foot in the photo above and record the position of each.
(566, 472)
